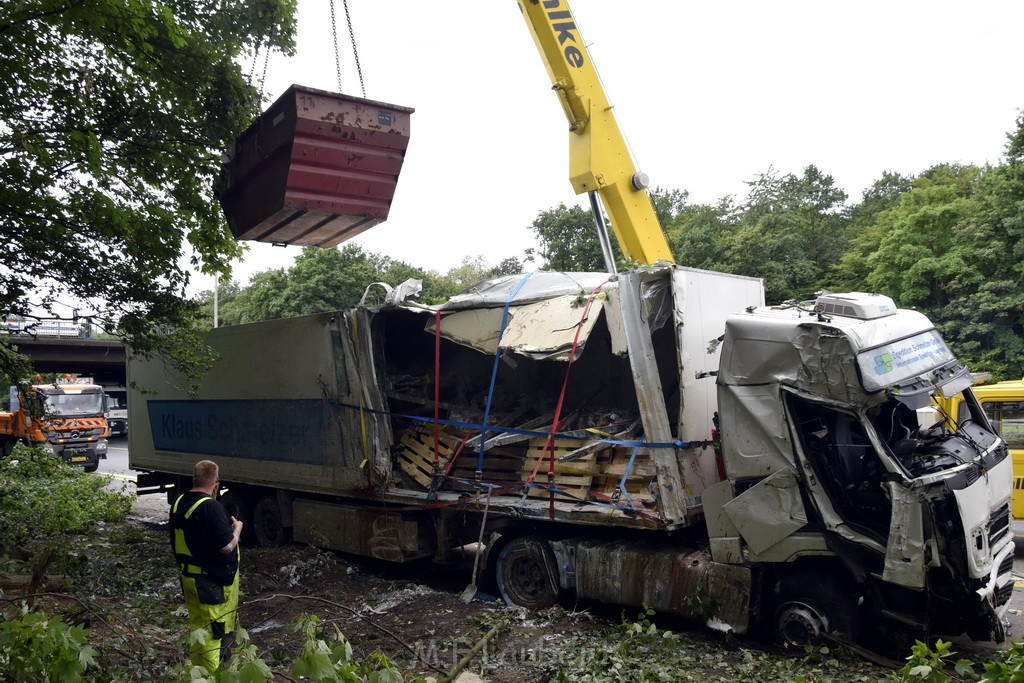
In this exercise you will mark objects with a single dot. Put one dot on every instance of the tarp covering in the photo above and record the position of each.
(539, 286)
(542, 329)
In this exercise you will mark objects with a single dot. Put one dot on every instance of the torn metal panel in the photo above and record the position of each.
(677, 476)
(756, 443)
(714, 498)
(905, 552)
(827, 364)
(656, 296)
(541, 330)
(975, 503)
(360, 362)
(769, 511)
(615, 322)
(393, 296)
(670, 580)
(819, 355)
(801, 544)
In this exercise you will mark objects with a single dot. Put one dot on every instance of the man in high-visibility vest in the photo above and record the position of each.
(205, 543)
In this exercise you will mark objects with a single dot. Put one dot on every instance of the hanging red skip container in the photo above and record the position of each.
(317, 168)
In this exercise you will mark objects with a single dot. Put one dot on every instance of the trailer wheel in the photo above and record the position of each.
(527, 574)
(238, 503)
(268, 524)
(811, 605)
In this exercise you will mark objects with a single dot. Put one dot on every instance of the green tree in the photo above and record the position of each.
(984, 318)
(568, 237)
(113, 119)
(792, 228)
(869, 222)
(263, 299)
(921, 250)
(319, 280)
(226, 293)
(668, 205)
(700, 233)
(568, 240)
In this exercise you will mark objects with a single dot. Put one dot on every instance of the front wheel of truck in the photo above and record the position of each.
(527, 574)
(812, 605)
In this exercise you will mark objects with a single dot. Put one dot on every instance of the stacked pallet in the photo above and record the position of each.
(416, 452)
(613, 463)
(580, 467)
(574, 471)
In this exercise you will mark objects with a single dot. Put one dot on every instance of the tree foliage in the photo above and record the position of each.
(323, 280)
(568, 240)
(114, 116)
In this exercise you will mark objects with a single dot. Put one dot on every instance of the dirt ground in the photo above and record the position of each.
(414, 614)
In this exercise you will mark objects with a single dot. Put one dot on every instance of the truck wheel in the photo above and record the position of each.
(811, 605)
(238, 503)
(268, 525)
(91, 466)
(527, 574)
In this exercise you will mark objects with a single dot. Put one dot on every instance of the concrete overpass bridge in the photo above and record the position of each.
(101, 359)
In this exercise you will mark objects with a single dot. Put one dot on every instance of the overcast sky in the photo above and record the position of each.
(708, 94)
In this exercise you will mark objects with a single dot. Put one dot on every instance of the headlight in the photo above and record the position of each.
(101, 446)
(97, 431)
(52, 435)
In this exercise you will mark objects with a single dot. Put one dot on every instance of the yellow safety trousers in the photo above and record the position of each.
(217, 620)
(213, 619)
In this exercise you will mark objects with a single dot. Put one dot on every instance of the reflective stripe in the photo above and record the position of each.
(194, 506)
(181, 549)
(174, 509)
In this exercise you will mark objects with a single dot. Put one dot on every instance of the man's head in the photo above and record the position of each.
(205, 474)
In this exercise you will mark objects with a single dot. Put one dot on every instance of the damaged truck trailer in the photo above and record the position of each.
(657, 436)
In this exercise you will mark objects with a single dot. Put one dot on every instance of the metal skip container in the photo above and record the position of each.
(315, 169)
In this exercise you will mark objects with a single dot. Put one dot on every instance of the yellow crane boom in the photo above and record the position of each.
(599, 159)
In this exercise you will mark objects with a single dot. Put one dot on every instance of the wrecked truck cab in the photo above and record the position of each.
(827, 424)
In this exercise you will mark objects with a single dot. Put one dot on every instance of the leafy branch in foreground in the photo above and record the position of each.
(45, 503)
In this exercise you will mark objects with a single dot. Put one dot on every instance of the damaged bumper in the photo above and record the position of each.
(998, 589)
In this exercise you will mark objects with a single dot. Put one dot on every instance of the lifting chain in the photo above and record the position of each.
(337, 58)
(266, 58)
(355, 50)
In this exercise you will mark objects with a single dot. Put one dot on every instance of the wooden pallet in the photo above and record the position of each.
(416, 452)
(501, 465)
(574, 477)
(612, 464)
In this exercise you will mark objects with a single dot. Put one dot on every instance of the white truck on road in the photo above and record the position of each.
(657, 436)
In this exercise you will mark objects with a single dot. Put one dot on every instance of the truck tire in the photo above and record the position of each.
(527, 574)
(810, 605)
(91, 466)
(238, 502)
(268, 523)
